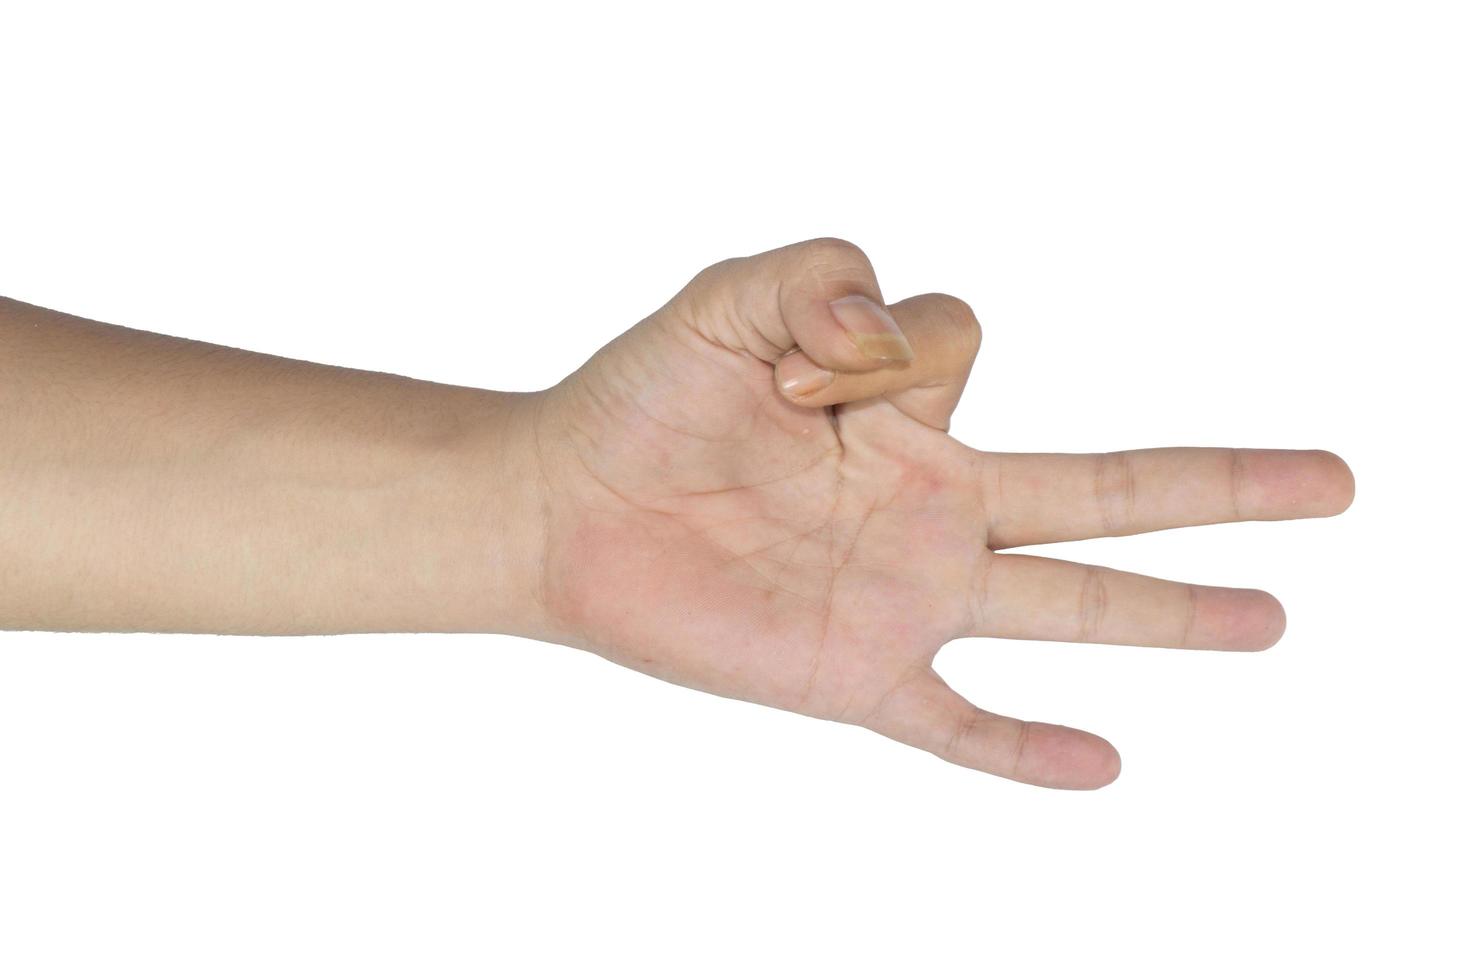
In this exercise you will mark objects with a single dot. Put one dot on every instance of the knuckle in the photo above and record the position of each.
(714, 296)
(1092, 604)
(1115, 491)
(1018, 750)
(1191, 614)
(960, 317)
(714, 273)
(961, 735)
(1237, 481)
(835, 259)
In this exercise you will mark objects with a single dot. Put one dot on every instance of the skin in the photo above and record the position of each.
(751, 493)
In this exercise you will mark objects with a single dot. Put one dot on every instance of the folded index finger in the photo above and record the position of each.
(944, 338)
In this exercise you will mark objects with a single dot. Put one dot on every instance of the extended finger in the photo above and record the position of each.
(1029, 598)
(928, 714)
(1040, 498)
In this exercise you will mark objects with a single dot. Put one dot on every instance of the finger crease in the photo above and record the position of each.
(1092, 604)
(1191, 612)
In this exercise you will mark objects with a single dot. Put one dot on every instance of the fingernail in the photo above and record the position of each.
(800, 375)
(872, 329)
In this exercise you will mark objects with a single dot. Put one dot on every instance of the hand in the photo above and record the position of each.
(752, 493)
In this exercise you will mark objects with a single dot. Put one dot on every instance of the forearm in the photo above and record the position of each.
(151, 483)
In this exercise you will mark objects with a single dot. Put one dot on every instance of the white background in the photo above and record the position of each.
(1234, 224)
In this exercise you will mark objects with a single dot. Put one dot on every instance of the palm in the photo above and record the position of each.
(813, 549)
(827, 554)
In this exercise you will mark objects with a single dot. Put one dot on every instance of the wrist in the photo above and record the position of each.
(485, 511)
